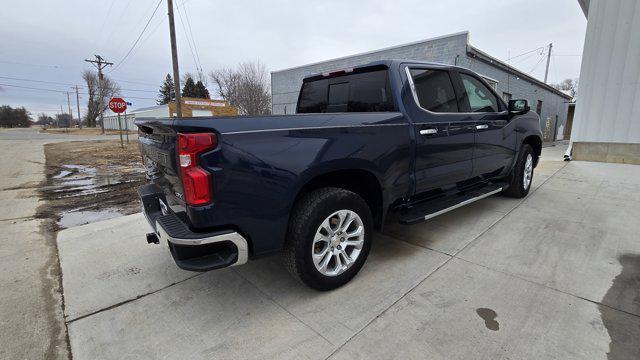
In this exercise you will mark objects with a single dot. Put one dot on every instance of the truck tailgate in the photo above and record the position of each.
(157, 141)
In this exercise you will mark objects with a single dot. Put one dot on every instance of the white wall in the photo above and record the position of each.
(157, 111)
(608, 105)
(111, 122)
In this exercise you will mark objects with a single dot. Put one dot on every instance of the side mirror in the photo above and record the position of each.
(519, 107)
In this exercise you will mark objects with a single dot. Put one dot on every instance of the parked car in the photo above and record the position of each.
(411, 138)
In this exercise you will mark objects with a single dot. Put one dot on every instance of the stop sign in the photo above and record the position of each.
(117, 105)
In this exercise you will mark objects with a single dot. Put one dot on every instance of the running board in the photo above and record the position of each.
(433, 208)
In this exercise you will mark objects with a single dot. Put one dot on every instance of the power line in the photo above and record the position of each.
(135, 82)
(38, 81)
(29, 64)
(137, 39)
(162, 20)
(193, 39)
(64, 91)
(106, 16)
(32, 88)
(186, 34)
(117, 23)
(538, 63)
(69, 84)
(523, 59)
(196, 57)
(525, 53)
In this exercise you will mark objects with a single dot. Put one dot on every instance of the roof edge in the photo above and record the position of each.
(481, 55)
(465, 32)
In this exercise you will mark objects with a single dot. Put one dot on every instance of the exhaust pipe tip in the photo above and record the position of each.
(152, 238)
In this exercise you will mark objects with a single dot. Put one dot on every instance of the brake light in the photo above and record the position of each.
(337, 72)
(196, 181)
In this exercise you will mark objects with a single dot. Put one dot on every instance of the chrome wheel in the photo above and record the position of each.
(338, 242)
(528, 172)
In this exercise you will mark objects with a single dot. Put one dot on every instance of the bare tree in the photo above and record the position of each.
(246, 88)
(568, 85)
(100, 91)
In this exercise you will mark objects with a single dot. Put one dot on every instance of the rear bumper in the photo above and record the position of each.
(194, 251)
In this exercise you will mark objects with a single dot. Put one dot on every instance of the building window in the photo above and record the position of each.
(492, 82)
(539, 108)
(506, 96)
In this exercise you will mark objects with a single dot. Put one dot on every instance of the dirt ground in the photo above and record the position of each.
(83, 131)
(88, 181)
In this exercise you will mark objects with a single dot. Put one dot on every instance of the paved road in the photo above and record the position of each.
(31, 321)
(556, 276)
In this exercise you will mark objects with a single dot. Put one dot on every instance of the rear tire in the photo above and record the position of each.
(522, 173)
(328, 239)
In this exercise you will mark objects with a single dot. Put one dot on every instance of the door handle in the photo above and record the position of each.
(428, 131)
(482, 127)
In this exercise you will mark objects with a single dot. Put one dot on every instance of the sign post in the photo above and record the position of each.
(126, 123)
(118, 106)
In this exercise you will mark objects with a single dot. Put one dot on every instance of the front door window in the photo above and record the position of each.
(480, 98)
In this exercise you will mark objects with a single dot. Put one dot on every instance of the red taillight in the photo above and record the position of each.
(196, 181)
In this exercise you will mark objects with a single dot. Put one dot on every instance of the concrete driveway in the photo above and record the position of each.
(31, 319)
(556, 275)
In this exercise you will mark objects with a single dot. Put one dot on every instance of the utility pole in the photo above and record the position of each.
(60, 117)
(69, 106)
(78, 103)
(100, 63)
(174, 58)
(546, 71)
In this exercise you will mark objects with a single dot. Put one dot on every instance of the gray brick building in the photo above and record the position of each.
(452, 49)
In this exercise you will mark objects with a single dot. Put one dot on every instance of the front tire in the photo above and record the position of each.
(522, 173)
(328, 239)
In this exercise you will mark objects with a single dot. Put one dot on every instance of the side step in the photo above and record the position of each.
(430, 209)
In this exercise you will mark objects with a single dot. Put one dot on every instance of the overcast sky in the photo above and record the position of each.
(49, 40)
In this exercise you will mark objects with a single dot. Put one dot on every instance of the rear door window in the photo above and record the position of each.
(434, 90)
(367, 91)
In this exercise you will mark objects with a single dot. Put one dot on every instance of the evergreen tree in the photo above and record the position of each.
(166, 91)
(201, 90)
(189, 89)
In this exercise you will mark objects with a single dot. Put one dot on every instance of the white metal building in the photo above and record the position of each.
(111, 121)
(606, 126)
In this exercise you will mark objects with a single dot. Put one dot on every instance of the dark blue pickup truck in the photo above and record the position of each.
(406, 138)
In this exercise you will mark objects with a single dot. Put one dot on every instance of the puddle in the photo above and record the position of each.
(80, 180)
(624, 293)
(76, 218)
(89, 182)
(81, 168)
(62, 174)
(489, 316)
